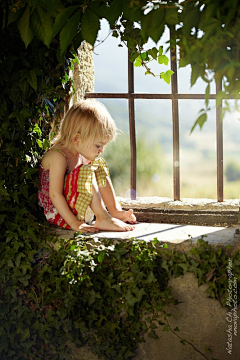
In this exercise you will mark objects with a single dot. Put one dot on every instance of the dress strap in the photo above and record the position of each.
(62, 154)
(53, 149)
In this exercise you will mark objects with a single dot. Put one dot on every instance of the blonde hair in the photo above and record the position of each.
(90, 119)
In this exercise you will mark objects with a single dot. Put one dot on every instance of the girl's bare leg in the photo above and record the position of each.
(105, 221)
(113, 206)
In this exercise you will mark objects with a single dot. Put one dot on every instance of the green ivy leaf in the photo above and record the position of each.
(130, 298)
(160, 50)
(3, 191)
(144, 55)
(153, 24)
(190, 18)
(111, 12)
(91, 297)
(152, 334)
(171, 16)
(157, 33)
(153, 52)
(200, 121)
(163, 59)
(32, 79)
(166, 76)
(151, 277)
(24, 190)
(42, 25)
(90, 26)
(184, 267)
(69, 31)
(165, 327)
(14, 16)
(165, 265)
(219, 98)
(18, 258)
(62, 18)
(195, 74)
(207, 95)
(24, 27)
(139, 293)
(138, 61)
(130, 11)
(101, 256)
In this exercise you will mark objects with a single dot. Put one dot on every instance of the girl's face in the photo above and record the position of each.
(94, 150)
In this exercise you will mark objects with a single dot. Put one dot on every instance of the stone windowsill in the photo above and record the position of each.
(183, 204)
(207, 212)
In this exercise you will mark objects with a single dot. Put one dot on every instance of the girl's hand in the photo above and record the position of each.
(87, 228)
(78, 225)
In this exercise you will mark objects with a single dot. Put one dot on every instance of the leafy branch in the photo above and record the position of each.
(144, 58)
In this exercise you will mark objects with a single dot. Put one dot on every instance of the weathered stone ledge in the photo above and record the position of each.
(207, 212)
(180, 225)
(183, 204)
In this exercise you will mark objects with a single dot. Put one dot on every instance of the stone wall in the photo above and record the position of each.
(83, 73)
(201, 320)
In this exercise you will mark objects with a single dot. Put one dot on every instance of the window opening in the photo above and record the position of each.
(174, 96)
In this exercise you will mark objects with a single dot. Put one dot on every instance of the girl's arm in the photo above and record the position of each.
(113, 206)
(109, 196)
(57, 164)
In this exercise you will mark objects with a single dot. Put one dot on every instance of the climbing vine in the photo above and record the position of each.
(108, 295)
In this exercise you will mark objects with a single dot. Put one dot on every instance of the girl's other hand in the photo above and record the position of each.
(83, 227)
(87, 228)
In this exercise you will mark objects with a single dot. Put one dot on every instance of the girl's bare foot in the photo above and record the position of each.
(126, 216)
(112, 224)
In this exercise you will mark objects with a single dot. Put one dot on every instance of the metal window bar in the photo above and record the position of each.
(174, 96)
(175, 123)
(132, 131)
(219, 144)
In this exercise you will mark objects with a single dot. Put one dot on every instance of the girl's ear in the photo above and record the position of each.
(76, 139)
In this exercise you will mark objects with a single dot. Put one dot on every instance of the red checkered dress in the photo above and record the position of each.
(77, 191)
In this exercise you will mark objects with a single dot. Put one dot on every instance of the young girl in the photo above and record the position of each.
(73, 177)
